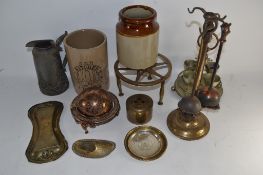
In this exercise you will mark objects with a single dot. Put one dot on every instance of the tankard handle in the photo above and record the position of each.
(58, 42)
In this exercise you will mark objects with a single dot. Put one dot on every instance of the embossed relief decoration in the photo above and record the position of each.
(88, 74)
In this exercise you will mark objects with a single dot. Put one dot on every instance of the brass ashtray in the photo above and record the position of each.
(92, 148)
(145, 143)
(94, 106)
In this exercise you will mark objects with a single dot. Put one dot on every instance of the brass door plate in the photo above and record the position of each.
(145, 143)
(47, 142)
(92, 148)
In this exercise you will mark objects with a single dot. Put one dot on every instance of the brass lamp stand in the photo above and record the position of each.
(187, 122)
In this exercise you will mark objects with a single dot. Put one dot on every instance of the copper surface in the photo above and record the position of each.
(47, 142)
(145, 77)
(139, 108)
(94, 106)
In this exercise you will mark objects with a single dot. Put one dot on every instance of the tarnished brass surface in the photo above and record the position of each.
(47, 142)
(184, 88)
(145, 143)
(139, 108)
(187, 122)
(92, 148)
(94, 106)
(188, 128)
(208, 95)
(145, 77)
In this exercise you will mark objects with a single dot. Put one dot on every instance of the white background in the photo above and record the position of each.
(234, 145)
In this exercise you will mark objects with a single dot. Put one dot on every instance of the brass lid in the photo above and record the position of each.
(139, 101)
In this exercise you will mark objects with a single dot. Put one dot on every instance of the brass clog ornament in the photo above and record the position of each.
(93, 148)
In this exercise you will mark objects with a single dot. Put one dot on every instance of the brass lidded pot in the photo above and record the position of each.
(137, 35)
(139, 108)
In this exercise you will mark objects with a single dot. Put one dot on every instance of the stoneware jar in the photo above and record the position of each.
(87, 56)
(137, 37)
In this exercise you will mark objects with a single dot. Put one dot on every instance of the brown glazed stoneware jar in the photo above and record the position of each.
(137, 35)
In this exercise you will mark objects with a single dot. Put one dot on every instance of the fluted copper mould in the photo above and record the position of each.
(94, 106)
(93, 148)
(47, 142)
(51, 75)
(139, 108)
(145, 143)
(187, 122)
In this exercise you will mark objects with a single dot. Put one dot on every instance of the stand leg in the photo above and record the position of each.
(161, 93)
(119, 86)
(150, 77)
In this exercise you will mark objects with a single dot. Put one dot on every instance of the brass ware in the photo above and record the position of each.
(92, 148)
(139, 108)
(183, 89)
(145, 77)
(47, 142)
(208, 95)
(191, 65)
(187, 122)
(93, 107)
(188, 129)
(145, 143)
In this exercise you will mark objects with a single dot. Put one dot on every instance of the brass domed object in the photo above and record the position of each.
(188, 127)
(94, 106)
(92, 148)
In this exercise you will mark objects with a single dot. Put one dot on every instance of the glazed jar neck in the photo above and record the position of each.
(137, 20)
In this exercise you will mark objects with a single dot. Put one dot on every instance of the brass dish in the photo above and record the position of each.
(145, 143)
(91, 148)
(47, 142)
(93, 107)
